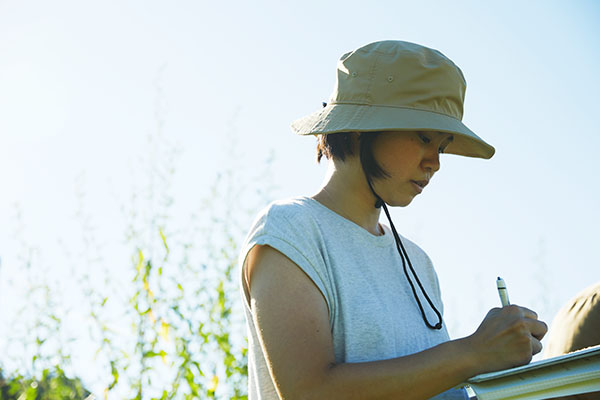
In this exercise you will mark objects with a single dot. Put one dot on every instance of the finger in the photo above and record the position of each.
(536, 346)
(494, 311)
(528, 313)
(538, 329)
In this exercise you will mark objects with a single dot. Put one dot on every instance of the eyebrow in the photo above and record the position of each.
(449, 139)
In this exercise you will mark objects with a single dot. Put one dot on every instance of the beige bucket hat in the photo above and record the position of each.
(577, 324)
(394, 86)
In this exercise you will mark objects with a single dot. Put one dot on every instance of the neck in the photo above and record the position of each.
(346, 192)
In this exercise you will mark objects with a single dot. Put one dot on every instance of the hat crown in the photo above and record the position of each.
(397, 86)
(400, 74)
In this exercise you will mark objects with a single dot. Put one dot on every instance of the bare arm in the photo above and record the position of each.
(292, 318)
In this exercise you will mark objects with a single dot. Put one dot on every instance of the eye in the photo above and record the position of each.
(424, 138)
(445, 144)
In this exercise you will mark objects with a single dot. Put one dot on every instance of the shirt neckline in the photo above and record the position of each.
(381, 240)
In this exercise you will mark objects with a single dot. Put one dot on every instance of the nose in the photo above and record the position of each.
(431, 162)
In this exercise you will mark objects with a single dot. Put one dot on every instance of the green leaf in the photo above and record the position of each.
(114, 373)
(140, 261)
(164, 239)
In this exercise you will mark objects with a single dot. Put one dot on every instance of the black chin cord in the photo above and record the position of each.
(403, 254)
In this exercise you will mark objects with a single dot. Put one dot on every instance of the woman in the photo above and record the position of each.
(340, 306)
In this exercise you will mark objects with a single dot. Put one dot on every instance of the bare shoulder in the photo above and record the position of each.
(269, 273)
(291, 318)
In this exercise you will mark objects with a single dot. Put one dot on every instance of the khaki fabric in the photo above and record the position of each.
(577, 324)
(397, 86)
(575, 327)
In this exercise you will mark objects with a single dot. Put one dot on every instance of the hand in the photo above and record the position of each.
(507, 337)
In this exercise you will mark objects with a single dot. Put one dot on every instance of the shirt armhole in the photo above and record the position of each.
(292, 258)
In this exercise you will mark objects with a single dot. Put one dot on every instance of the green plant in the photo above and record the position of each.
(168, 323)
(52, 384)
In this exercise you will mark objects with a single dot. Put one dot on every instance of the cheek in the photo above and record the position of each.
(398, 159)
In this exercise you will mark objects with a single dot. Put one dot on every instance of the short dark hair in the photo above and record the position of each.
(342, 144)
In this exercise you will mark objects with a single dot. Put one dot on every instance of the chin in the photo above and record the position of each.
(400, 202)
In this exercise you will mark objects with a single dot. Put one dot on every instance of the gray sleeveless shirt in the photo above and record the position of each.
(372, 312)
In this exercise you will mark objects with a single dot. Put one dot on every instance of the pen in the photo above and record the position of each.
(503, 292)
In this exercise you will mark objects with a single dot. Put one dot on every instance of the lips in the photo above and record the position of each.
(421, 184)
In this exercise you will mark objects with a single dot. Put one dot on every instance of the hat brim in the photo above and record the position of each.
(340, 117)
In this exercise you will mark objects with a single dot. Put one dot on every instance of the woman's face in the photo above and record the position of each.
(410, 158)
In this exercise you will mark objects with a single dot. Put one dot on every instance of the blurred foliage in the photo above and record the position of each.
(51, 385)
(167, 324)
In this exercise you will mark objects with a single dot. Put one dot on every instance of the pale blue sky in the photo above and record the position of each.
(78, 92)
